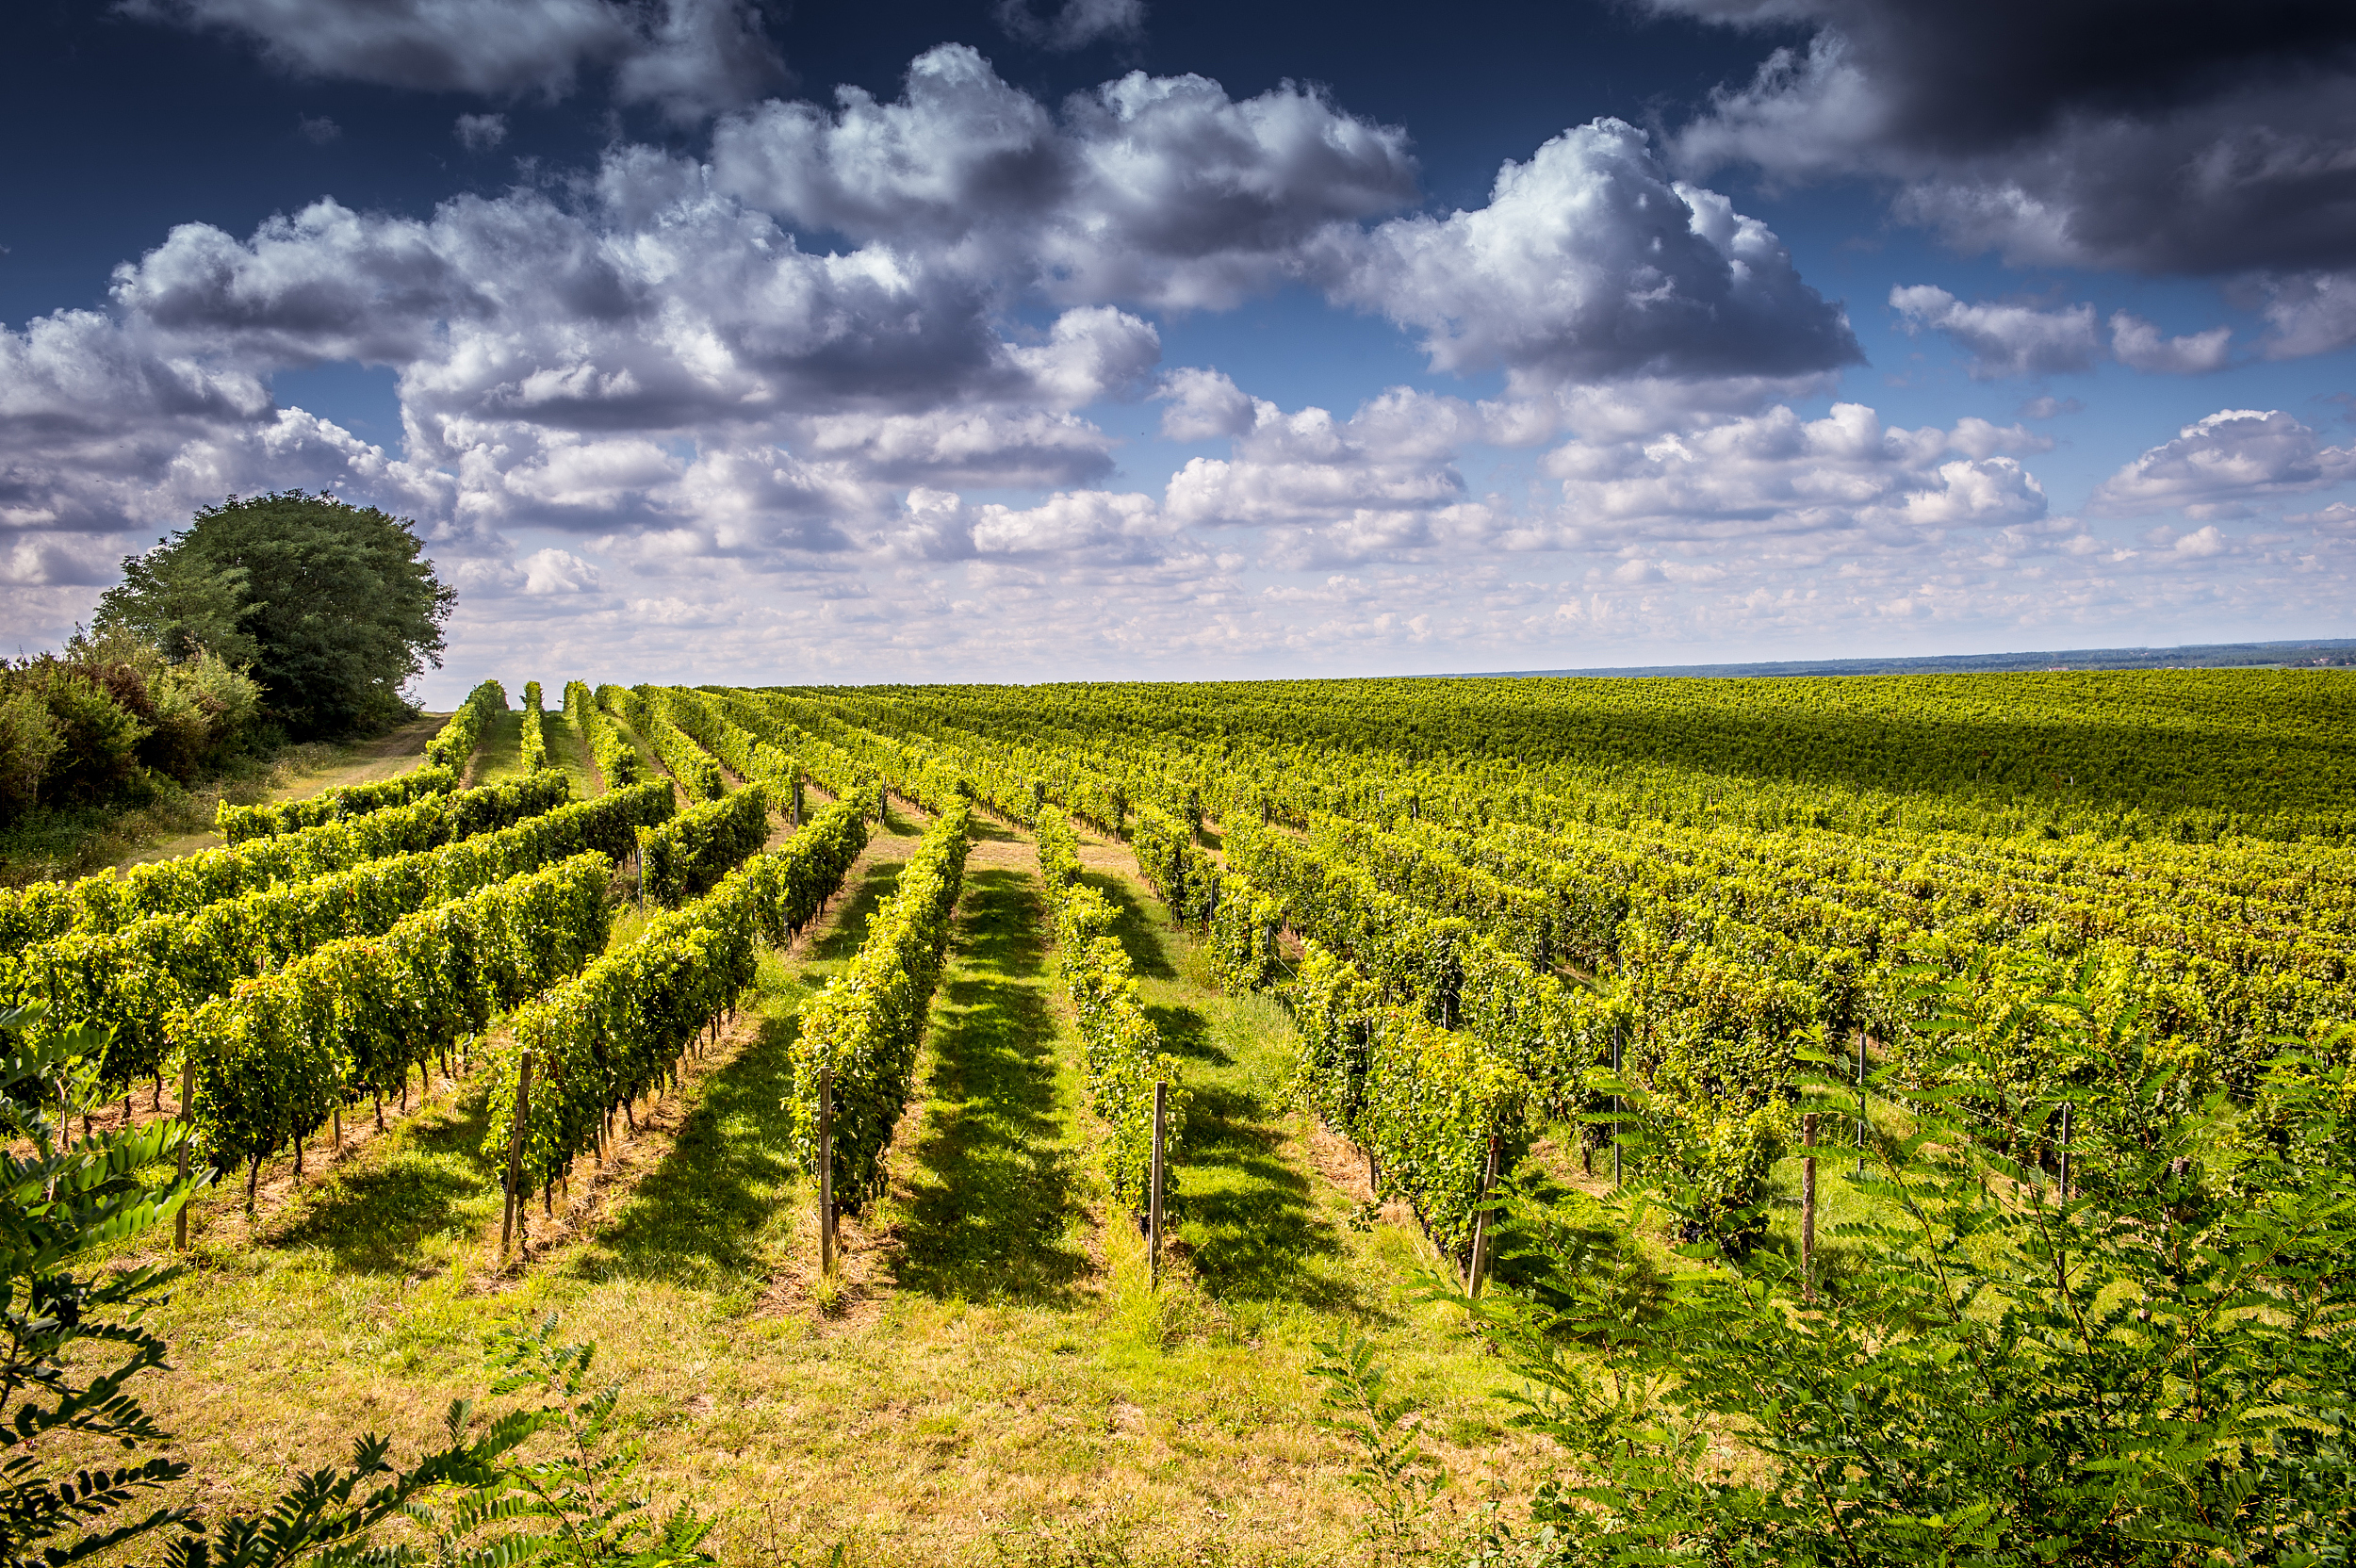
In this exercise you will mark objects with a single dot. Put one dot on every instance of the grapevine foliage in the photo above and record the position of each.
(239, 824)
(455, 744)
(1122, 1052)
(866, 1026)
(617, 1030)
(141, 977)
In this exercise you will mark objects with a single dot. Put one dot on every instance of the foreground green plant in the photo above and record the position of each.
(2154, 1367)
(71, 1344)
(1401, 1483)
(572, 1507)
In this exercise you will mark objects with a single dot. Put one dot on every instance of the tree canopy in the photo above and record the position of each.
(333, 607)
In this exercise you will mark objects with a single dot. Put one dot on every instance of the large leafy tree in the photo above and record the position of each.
(333, 607)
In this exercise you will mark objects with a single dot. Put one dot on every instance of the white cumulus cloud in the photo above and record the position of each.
(2140, 346)
(1589, 263)
(2003, 340)
(2232, 457)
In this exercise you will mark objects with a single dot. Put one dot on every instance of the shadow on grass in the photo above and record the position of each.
(1139, 928)
(993, 1204)
(850, 931)
(372, 1220)
(902, 821)
(1248, 1214)
(700, 1216)
(1186, 1034)
(1549, 1234)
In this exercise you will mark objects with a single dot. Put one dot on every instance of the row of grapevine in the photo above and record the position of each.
(1015, 773)
(1122, 1050)
(864, 1031)
(913, 774)
(685, 857)
(1712, 1036)
(2269, 957)
(456, 742)
(136, 979)
(239, 823)
(741, 726)
(1860, 945)
(2186, 756)
(1453, 1040)
(648, 711)
(619, 763)
(533, 745)
(107, 903)
(1180, 874)
(1715, 1040)
(1457, 1043)
(752, 759)
(277, 1054)
(617, 1030)
(1718, 921)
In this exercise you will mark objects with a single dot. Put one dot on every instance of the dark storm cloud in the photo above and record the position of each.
(2172, 137)
(1074, 25)
(690, 57)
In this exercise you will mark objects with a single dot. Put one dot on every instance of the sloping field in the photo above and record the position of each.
(1380, 943)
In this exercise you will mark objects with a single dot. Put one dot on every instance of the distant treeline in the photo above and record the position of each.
(2331, 653)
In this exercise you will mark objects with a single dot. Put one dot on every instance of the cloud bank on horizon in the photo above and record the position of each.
(860, 387)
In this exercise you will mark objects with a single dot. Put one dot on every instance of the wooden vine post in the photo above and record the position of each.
(1860, 1102)
(512, 1219)
(1615, 1107)
(187, 1124)
(2065, 1152)
(1477, 1266)
(825, 1174)
(1154, 1190)
(1808, 1208)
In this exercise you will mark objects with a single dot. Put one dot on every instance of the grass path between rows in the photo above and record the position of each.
(305, 770)
(996, 1384)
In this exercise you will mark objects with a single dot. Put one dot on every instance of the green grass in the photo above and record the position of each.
(569, 752)
(1249, 1220)
(993, 1206)
(717, 1212)
(500, 752)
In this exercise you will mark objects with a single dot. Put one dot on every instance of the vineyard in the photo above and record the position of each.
(968, 1118)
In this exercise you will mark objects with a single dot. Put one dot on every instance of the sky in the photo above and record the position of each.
(1043, 340)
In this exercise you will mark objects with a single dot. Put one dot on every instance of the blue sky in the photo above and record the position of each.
(1087, 339)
